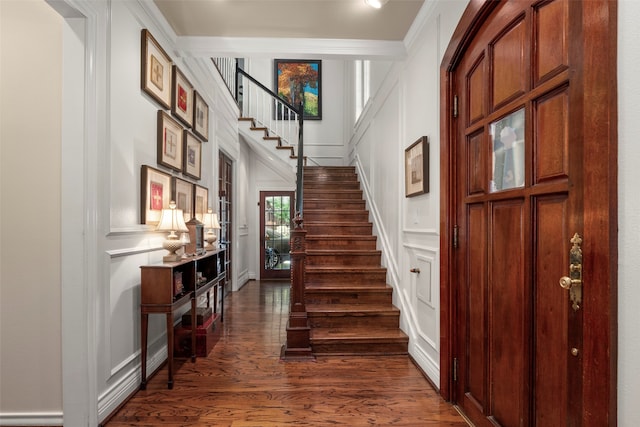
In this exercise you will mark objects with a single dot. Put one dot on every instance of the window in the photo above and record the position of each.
(362, 85)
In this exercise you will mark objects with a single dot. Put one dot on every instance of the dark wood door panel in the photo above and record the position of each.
(508, 329)
(551, 23)
(551, 311)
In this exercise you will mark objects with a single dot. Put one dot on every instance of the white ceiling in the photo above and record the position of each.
(290, 28)
(291, 19)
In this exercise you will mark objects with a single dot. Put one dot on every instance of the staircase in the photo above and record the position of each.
(348, 301)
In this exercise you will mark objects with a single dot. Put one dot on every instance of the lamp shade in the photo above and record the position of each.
(172, 219)
(210, 220)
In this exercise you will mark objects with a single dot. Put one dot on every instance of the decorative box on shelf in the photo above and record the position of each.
(207, 335)
(202, 315)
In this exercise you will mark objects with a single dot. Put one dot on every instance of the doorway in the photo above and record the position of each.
(526, 206)
(276, 213)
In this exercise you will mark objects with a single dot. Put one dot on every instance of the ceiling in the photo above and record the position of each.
(291, 19)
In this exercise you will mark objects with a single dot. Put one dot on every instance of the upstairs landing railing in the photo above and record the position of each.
(281, 119)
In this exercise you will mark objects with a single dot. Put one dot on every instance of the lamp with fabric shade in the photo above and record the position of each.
(210, 224)
(172, 220)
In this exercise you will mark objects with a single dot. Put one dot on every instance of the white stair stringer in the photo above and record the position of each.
(279, 160)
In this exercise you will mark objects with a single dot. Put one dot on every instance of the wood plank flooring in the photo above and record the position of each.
(243, 382)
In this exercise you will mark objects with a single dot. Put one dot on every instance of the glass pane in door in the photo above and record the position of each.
(276, 226)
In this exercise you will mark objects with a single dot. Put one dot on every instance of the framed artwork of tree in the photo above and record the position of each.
(298, 81)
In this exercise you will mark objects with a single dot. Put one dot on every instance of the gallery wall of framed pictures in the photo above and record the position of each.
(182, 128)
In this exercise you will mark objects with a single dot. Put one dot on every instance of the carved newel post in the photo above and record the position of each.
(298, 345)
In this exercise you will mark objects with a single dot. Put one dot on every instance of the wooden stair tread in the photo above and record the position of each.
(352, 309)
(343, 252)
(341, 237)
(359, 334)
(345, 269)
(368, 287)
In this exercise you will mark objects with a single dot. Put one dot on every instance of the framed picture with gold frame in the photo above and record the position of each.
(155, 70)
(200, 202)
(182, 98)
(155, 194)
(200, 117)
(182, 193)
(192, 156)
(416, 168)
(170, 142)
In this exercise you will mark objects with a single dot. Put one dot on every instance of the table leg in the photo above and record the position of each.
(170, 349)
(144, 326)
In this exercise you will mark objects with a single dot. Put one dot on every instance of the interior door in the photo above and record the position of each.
(517, 215)
(276, 208)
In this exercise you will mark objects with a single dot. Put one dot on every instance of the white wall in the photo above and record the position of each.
(629, 213)
(30, 211)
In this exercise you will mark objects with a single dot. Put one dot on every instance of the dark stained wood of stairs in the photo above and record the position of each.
(349, 303)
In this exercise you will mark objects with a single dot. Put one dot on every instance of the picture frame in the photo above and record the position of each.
(308, 75)
(155, 194)
(200, 202)
(156, 75)
(170, 142)
(182, 98)
(192, 156)
(182, 194)
(200, 117)
(416, 168)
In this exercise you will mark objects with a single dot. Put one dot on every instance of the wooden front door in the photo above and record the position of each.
(529, 163)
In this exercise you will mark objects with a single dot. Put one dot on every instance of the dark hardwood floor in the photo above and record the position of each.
(243, 382)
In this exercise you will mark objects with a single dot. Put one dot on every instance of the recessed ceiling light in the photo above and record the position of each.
(376, 4)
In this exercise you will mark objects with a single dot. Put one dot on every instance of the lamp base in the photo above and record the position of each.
(210, 237)
(172, 245)
(172, 258)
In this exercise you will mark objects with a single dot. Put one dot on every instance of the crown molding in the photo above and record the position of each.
(283, 47)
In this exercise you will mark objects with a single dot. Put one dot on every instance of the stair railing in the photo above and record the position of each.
(281, 119)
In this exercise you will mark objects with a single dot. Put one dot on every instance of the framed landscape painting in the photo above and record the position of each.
(300, 80)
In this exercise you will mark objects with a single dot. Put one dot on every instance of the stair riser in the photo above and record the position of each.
(337, 244)
(318, 215)
(329, 170)
(331, 180)
(351, 297)
(327, 185)
(333, 195)
(344, 260)
(320, 229)
(345, 204)
(360, 349)
(348, 279)
(316, 320)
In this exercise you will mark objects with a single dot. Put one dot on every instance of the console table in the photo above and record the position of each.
(165, 287)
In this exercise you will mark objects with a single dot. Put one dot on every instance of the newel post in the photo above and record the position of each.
(298, 345)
